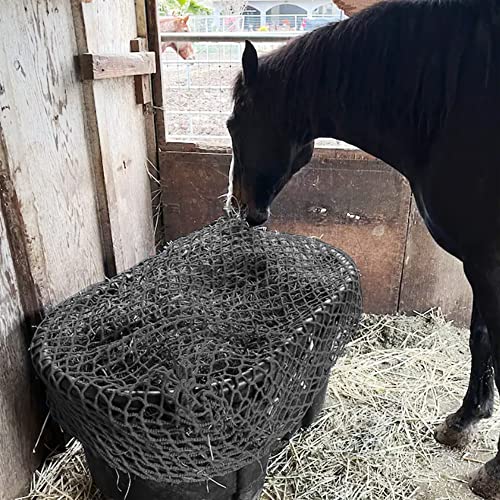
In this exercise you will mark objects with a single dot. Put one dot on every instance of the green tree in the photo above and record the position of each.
(182, 7)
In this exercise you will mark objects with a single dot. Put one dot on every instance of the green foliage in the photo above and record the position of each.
(182, 7)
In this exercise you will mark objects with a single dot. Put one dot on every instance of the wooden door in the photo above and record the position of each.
(75, 190)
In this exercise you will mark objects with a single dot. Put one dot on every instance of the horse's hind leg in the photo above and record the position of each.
(458, 427)
(483, 272)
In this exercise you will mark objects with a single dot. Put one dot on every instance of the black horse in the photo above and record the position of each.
(416, 84)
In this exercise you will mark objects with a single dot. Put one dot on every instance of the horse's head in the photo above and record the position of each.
(177, 24)
(266, 151)
(185, 50)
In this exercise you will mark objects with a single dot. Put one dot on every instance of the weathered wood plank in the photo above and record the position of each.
(57, 217)
(141, 18)
(103, 66)
(94, 148)
(20, 420)
(48, 208)
(335, 198)
(16, 231)
(432, 277)
(47, 160)
(106, 27)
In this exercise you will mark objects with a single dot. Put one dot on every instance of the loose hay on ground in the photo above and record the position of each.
(373, 440)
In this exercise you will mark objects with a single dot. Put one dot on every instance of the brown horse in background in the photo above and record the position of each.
(176, 24)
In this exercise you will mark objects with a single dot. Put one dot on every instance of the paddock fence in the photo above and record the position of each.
(259, 22)
(197, 93)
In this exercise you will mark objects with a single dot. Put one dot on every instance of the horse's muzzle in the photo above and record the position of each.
(256, 217)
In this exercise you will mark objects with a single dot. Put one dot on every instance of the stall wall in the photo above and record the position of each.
(348, 199)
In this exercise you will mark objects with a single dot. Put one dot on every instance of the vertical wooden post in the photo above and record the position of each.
(155, 125)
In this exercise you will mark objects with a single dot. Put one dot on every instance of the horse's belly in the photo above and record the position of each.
(441, 236)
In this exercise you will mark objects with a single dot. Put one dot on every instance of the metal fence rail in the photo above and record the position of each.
(235, 37)
(254, 22)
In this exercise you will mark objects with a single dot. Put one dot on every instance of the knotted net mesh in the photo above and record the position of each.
(197, 360)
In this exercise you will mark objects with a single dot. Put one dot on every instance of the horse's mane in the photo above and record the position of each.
(398, 62)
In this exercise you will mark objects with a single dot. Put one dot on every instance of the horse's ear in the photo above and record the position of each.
(250, 63)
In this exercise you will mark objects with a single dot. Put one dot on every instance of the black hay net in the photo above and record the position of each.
(195, 362)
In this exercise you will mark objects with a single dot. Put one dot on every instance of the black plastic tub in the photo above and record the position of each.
(244, 484)
(181, 375)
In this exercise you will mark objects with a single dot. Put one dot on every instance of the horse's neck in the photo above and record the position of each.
(312, 105)
(394, 146)
(353, 124)
(167, 24)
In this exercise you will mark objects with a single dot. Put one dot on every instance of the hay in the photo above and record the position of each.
(64, 476)
(373, 440)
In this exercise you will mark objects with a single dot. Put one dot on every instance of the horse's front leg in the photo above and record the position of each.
(483, 272)
(458, 427)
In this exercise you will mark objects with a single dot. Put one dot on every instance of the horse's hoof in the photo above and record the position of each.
(486, 481)
(452, 436)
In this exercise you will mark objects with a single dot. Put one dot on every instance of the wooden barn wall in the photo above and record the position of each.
(47, 160)
(346, 198)
(119, 143)
(18, 403)
(75, 198)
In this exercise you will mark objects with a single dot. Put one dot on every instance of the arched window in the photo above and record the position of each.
(328, 9)
(250, 10)
(251, 18)
(285, 17)
(284, 9)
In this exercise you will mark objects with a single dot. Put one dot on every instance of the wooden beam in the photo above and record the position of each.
(95, 150)
(142, 82)
(154, 44)
(140, 14)
(99, 67)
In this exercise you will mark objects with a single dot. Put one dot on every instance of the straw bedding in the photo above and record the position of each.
(373, 440)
